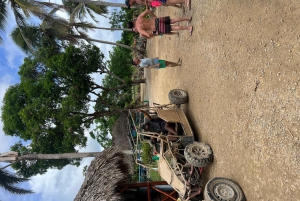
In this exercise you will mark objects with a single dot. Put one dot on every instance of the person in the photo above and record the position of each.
(158, 125)
(154, 63)
(149, 28)
(155, 3)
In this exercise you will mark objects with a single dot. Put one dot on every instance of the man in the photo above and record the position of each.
(158, 125)
(163, 2)
(155, 63)
(148, 28)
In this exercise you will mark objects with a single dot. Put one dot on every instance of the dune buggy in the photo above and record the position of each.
(181, 161)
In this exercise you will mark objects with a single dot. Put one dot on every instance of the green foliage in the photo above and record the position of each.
(9, 181)
(146, 153)
(118, 18)
(119, 64)
(14, 100)
(28, 170)
(50, 105)
(84, 171)
(103, 129)
(154, 176)
(81, 11)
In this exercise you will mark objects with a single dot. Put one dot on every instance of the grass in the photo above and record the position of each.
(154, 176)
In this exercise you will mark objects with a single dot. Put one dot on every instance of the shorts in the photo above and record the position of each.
(163, 25)
(162, 64)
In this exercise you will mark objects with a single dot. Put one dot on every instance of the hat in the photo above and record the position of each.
(127, 3)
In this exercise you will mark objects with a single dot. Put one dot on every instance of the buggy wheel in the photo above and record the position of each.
(178, 96)
(219, 189)
(198, 154)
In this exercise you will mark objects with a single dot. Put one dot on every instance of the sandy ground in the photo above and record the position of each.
(241, 70)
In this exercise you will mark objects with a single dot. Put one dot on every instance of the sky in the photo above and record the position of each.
(55, 185)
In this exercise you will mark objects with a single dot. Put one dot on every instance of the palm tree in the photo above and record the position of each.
(23, 10)
(100, 3)
(80, 10)
(8, 182)
(87, 26)
(13, 156)
(59, 29)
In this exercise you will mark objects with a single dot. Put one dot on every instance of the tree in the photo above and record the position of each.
(13, 156)
(27, 164)
(99, 3)
(28, 159)
(23, 10)
(8, 182)
(57, 30)
(80, 10)
(51, 105)
(85, 25)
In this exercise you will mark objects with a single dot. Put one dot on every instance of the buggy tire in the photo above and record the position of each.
(219, 189)
(178, 96)
(198, 154)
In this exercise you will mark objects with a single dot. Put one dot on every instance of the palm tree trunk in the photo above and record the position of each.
(100, 3)
(13, 156)
(91, 26)
(31, 157)
(112, 43)
(111, 29)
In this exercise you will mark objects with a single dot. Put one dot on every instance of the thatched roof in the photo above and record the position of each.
(120, 137)
(106, 172)
(120, 133)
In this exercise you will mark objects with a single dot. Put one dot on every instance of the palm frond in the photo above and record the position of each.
(27, 32)
(3, 15)
(75, 12)
(27, 7)
(85, 26)
(91, 13)
(100, 10)
(8, 180)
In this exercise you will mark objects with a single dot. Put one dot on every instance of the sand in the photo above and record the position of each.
(241, 70)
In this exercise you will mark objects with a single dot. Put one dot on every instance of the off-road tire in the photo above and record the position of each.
(178, 96)
(198, 154)
(220, 189)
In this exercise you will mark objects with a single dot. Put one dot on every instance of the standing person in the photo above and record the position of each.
(160, 2)
(155, 63)
(149, 28)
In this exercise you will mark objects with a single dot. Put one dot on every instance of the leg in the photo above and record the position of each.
(170, 127)
(176, 6)
(172, 64)
(175, 1)
(171, 33)
(188, 4)
(180, 19)
(190, 28)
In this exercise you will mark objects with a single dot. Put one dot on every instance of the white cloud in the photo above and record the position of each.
(14, 56)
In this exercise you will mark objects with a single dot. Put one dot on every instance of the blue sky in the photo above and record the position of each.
(55, 185)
